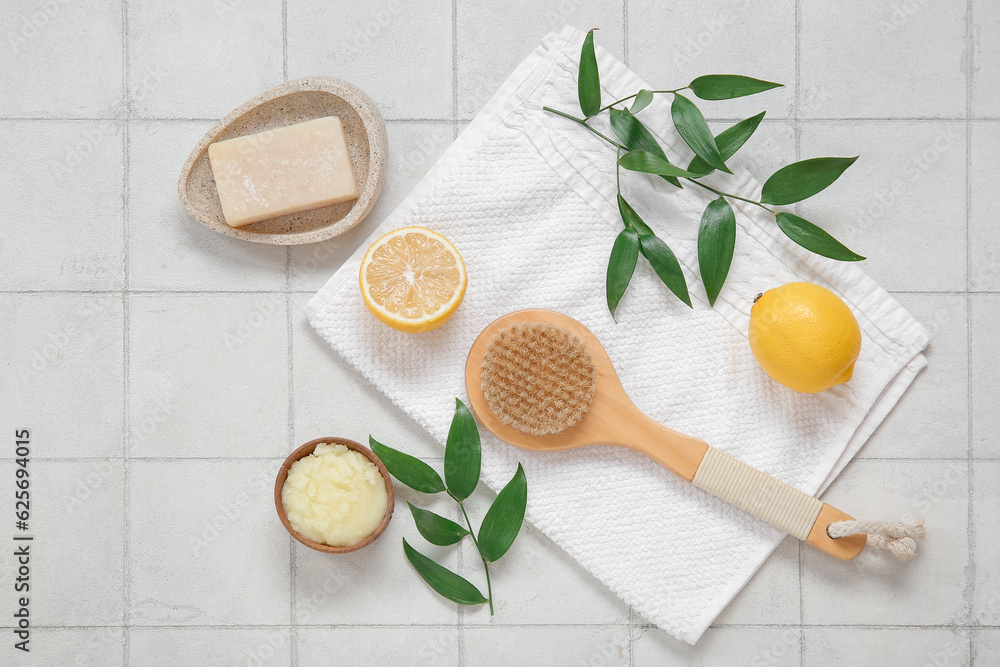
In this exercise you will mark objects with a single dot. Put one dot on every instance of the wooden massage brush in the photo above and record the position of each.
(542, 381)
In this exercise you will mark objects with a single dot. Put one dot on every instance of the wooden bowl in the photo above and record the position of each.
(306, 450)
(288, 104)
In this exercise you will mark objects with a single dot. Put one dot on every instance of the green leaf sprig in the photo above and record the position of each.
(638, 150)
(462, 465)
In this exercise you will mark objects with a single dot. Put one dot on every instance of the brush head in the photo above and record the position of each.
(538, 378)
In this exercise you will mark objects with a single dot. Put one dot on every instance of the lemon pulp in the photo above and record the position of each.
(413, 279)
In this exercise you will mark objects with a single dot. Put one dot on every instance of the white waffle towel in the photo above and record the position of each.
(528, 198)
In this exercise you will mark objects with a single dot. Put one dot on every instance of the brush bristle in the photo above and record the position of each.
(538, 378)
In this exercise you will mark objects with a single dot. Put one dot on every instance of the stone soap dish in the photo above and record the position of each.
(288, 104)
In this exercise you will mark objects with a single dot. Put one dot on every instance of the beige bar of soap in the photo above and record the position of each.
(285, 170)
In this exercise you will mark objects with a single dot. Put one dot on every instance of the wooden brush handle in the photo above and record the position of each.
(614, 420)
(729, 479)
(777, 503)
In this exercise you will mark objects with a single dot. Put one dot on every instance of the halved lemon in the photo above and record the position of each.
(413, 279)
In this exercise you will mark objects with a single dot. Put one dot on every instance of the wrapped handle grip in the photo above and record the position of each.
(781, 505)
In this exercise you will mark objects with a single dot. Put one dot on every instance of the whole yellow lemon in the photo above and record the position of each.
(804, 336)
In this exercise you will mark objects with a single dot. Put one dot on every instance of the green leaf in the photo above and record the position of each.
(621, 265)
(504, 518)
(663, 261)
(716, 241)
(729, 141)
(658, 253)
(441, 579)
(632, 219)
(694, 131)
(642, 100)
(462, 455)
(409, 470)
(814, 239)
(728, 86)
(435, 528)
(801, 180)
(636, 137)
(589, 80)
(649, 163)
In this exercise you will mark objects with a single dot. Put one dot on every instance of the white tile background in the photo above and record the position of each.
(165, 370)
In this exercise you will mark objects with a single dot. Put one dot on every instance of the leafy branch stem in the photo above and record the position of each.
(731, 196)
(618, 171)
(472, 534)
(717, 230)
(620, 148)
(583, 122)
(605, 108)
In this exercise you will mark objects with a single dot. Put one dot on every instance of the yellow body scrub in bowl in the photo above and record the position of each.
(334, 495)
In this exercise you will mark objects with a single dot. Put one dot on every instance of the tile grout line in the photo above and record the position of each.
(126, 302)
(605, 625)
(970, 62)
(125, 54)
(163, 292)
(126, 408)
(293, 632)
(454, 61)
(625, 32)
(631, 636)
(797, 108)
(970, 530)
(284, 40)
